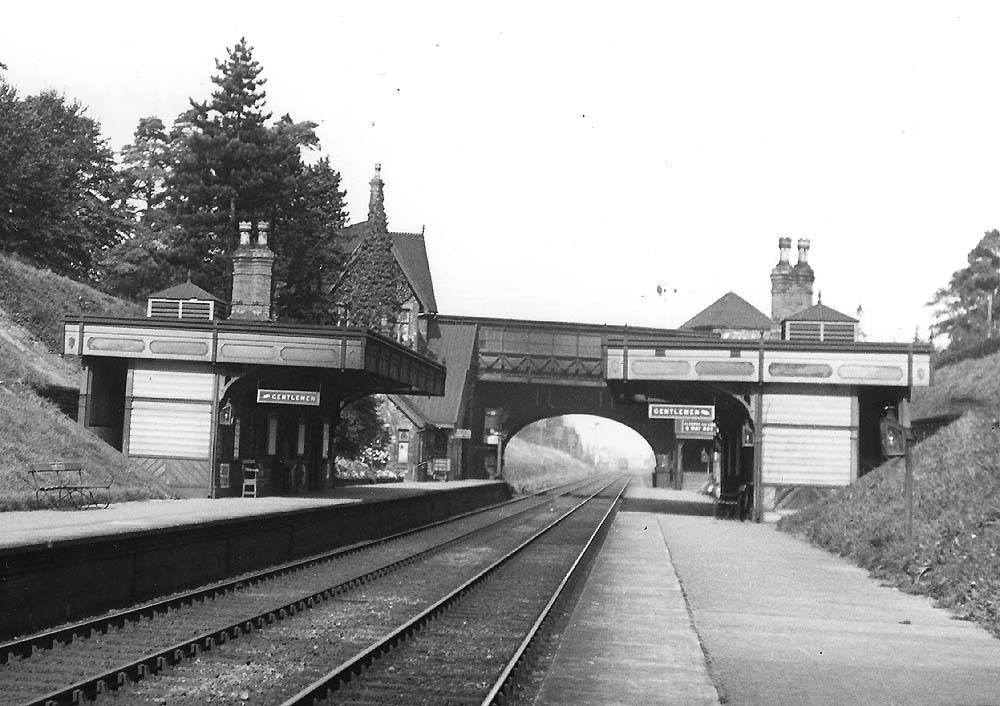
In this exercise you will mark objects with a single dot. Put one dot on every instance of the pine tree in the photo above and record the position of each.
(230, 166)
(309, 253)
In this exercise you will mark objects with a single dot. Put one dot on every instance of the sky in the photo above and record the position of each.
(568, 160)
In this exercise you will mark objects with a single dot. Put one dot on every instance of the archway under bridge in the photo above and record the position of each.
(676, 453)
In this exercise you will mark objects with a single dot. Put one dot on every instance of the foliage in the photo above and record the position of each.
(955, 554)
(556, 433)
(308, 255)
(59, 192)
(36, 432)
(39, 300)
(967, 307)
(374, 287)
(231, 166)
(360, 426)
(530, 467)
(971, 384)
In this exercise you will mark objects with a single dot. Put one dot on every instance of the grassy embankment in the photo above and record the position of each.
(955, 553)
(530, 467)
(32, 306)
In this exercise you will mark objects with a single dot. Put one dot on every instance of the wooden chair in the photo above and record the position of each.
(250, 475)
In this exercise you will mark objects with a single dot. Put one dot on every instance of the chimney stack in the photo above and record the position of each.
(791, 287)
(253, 264)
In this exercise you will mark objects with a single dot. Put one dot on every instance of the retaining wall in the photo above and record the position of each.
(48, 584)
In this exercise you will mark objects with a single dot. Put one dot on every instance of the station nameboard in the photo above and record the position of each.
(694, 429)
(659, 410)
(308, 398)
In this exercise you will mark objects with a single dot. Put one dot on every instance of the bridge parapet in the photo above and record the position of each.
(766, 361)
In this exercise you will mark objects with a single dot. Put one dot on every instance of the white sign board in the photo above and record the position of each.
(659, 410)
(462, 434)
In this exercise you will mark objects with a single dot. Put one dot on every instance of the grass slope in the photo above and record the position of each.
(955, 553)
(32, 306)
(530, 467)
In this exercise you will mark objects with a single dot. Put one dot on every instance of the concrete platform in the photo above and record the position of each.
(641, 496)
(785, 623)
(681, 609)
(32, 527)
(630, 639)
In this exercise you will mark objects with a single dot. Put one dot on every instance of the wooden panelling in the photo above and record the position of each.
(169, 380)
(833, 408)
(802, 456)
(171, 429)
(187, 477)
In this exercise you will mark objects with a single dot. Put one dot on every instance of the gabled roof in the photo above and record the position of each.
(410, 251)
(188, 290)
(821, 312)
(411, 254)
(730, 311)
(452, 345)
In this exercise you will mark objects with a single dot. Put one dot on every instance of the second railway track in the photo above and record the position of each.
(82, 662)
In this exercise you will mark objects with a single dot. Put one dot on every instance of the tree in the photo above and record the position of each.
(309, 254)
(967, 307)
(144, 167)
(230, 166)
(360, 426)
(58, 191)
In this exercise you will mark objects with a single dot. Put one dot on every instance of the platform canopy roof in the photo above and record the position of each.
(370, 362)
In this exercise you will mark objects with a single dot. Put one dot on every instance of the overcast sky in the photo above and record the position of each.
(567, 158)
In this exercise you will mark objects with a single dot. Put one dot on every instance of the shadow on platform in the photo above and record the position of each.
(668, 506)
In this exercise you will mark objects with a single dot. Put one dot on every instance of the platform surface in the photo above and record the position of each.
(788, 624)
(630, 639)
(34, 527)
(678, 603)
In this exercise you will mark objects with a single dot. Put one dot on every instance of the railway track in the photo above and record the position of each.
(87, 659)
(475, 644)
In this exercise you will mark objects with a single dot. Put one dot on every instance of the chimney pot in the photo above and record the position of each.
(262, 228)
(245, 232)
(803, 250)
(784, 245)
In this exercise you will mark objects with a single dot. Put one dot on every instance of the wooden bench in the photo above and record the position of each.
(61, 484)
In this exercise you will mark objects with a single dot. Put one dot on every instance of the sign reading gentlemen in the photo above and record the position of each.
(659, 410)
(308, 398)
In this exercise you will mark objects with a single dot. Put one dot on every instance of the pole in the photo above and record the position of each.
(758, 455)
(904, 419)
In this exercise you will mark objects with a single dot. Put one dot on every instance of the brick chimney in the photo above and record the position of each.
(791, 287)
(253, 264)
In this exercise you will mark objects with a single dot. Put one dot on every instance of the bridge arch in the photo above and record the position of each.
(526, 403)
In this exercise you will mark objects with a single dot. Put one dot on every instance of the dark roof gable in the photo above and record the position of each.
(730, 311)
(821, 312)
(187, 290)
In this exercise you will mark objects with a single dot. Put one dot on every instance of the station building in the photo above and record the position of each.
(203, 402)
